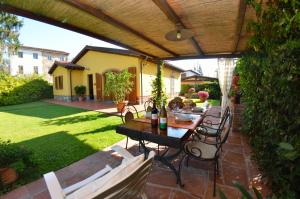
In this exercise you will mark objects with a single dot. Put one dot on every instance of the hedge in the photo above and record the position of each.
(212, 88)
(270, 82)
(23, 89)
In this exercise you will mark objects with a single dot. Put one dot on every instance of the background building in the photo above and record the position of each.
(88, 68)
(31, 60)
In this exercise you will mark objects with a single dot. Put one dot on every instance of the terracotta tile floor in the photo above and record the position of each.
(235, 164)
(103, 107)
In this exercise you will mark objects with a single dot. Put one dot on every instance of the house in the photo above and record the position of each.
(90, 65)
(193, 77)
(32, 60)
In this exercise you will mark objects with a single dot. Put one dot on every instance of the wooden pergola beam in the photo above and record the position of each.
(172, 16)
(102, 16)
(206, 56)
(240, 23)
(30, 15)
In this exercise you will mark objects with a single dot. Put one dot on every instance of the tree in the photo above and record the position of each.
(198, 69)
(9, 34)
(158, 88)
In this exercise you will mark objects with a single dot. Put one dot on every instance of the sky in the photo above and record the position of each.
(41, 35)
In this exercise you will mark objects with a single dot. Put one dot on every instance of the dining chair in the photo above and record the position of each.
(128, 113)
(125, 181)
(208, 151)
(210, 129)
(148, 103)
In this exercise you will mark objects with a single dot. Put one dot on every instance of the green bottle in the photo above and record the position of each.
(163, 118)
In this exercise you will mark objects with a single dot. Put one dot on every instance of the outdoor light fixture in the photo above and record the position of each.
(179, 34)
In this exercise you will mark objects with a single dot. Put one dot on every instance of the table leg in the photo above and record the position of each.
(166, 160)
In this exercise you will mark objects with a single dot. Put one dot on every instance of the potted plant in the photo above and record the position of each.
(13, 160)
(203, 95)
(80, 92)
(118, 85)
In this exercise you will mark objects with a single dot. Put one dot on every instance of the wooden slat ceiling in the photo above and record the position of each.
(219, 26)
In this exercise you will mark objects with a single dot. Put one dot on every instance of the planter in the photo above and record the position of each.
(80, 98)
(120, 106)
(8, 175)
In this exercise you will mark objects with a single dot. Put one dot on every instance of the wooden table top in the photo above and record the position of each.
(191, 125)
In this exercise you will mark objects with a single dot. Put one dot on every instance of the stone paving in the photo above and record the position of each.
(235, 164)
(103, 107)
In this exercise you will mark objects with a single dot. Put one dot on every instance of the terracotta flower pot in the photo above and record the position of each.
(8, 175)
(120, 106)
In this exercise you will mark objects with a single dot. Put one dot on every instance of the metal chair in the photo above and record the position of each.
(148, 103)
(127, 114)
(208, 151)
(213, 129)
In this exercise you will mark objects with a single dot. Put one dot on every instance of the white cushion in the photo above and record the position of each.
(208, 131)
(201, 150)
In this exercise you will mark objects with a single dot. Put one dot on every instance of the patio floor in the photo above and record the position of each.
(103, 107)
(235, 164)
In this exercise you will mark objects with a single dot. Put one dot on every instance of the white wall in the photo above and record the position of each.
(27, 62)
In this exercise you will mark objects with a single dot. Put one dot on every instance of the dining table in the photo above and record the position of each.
(174, 136)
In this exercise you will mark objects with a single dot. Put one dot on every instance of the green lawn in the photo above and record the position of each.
(212, 102)
(58, 135)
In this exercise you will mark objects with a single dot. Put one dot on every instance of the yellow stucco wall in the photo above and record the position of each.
(99, 62)
(60, 71)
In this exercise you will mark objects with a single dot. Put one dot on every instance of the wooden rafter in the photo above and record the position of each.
(206, 56)
(101, 15)
(30, 15)
(240, 23)
(172, 16)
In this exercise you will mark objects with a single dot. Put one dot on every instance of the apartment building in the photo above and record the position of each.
(31, 60)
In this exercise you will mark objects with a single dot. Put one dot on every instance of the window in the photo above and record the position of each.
(36, 69)
(62, 58)
(21, 70)
(35, 56)
(49, 57)
(20, 54)
(59, 82)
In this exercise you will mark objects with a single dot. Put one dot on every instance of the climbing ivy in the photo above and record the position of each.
(270, 82)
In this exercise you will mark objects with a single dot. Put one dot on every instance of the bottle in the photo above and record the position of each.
(154, 116)
(163, 118)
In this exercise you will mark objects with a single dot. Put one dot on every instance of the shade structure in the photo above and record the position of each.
(219, 26)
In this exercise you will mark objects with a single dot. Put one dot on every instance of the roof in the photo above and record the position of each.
(198, 77)
(219, 27)
(119, 52)
(45, 50)
(66, 65)
(197, 73)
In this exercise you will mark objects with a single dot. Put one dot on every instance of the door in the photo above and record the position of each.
(132, 98)
(91, 89)
(99, 86)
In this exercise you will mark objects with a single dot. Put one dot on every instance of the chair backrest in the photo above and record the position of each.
(128, 112)
(224, 119)
(125, 181)
(224, 138)
(148, 103)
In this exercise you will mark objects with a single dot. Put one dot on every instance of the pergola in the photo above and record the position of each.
(219, 26)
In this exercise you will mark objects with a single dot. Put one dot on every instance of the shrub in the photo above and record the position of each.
(80, 90)
(22, 89)
(270, 82)
(212, 88)
(203, 95)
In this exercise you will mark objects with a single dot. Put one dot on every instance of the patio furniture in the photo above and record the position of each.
(214, 124)
(174, 137)
(127, 114)
(148, 103)
(208, 151)
(124, 181)
(213, 129)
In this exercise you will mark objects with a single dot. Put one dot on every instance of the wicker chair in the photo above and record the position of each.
(208, 151)
(124, 181)
(127, 114)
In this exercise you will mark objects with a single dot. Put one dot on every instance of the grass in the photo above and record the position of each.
(212, 102)
(57, 135)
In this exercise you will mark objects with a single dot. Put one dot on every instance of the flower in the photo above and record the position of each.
(191, 90)
(203, 95)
